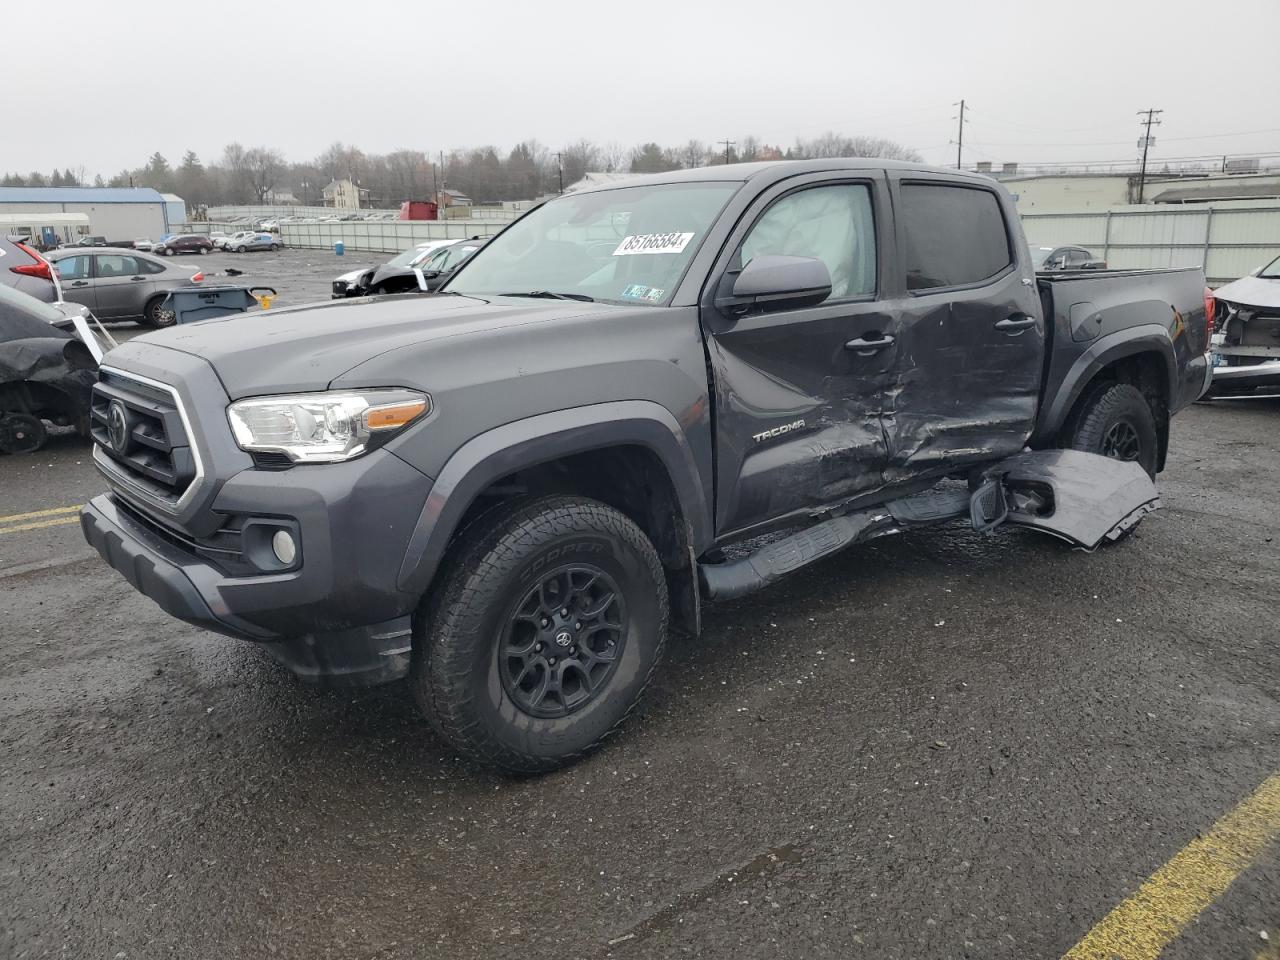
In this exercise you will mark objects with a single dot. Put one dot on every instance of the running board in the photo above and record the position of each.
(1082, 498)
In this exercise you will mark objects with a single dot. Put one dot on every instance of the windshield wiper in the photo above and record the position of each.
(548, 295)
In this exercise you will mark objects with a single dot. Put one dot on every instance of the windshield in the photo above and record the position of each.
(1271, 271)
(405, 258)
(629, 245)
(1039, 255)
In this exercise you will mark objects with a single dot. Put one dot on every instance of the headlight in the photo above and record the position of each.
(324, 427)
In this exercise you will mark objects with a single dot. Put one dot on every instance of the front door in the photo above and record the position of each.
(969, 328)
(121, 286)
(798, 391)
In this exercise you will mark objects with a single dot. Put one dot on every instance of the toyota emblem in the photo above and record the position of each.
(118, 427)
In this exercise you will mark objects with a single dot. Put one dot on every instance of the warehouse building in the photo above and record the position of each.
(117, 213)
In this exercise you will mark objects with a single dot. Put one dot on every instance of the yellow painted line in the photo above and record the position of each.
(1143, 925)
(41, 525)
(39, 513)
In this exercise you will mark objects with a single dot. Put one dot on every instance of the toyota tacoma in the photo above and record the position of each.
(634, 399)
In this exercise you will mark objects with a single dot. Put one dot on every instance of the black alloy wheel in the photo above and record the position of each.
(562, 642)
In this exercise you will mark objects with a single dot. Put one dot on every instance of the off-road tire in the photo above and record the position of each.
(456, 673)
(1112, 407)
(155, 317)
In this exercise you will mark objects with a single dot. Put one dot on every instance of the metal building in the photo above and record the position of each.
(117, 213)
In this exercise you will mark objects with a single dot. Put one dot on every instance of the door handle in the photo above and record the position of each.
(137, 278)
(80, 283)
(866, 347)
(1016, 323)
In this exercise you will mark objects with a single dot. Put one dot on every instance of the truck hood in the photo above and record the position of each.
(1251, 291)
(306, 348)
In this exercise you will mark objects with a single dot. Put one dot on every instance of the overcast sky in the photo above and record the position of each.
(1045, 81)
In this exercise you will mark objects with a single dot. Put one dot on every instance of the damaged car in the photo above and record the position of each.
(46, 372)
(432, 260)
(635, 399)
(1246, 333)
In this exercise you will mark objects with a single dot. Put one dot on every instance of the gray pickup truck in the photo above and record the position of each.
(634, 399)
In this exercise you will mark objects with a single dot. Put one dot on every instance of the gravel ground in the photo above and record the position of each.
(933, 746)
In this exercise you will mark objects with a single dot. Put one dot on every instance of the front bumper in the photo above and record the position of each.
(338, 617)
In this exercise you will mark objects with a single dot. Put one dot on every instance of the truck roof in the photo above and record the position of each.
(773, 170)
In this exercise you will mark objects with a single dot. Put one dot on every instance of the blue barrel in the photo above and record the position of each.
(339, 247)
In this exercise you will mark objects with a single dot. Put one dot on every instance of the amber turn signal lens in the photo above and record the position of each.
(394, 415)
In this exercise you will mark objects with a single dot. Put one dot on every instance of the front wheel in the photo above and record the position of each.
(1116, 420)
(206, 250)
(275, 247)
(542, 635)
(168, 251)
(241, 249)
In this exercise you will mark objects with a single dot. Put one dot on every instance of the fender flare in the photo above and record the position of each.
(1146, 338)
(539, 439)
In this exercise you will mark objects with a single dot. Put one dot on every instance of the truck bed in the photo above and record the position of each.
(1098, 314)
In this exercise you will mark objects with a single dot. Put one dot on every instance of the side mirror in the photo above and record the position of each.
(776, 282)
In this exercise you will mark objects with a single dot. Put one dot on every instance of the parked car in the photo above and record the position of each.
(255, 241)
(144, 244)
(1246, 333)
(24, 269)
(46, 373)
(121, 284)
(355, 283)
(1058, 259)
(222, 241)
(217, 235)
(505, 494)
(184, 243)
(86, 242)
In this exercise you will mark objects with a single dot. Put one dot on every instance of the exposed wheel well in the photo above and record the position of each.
(633, 480)
(1148, 373)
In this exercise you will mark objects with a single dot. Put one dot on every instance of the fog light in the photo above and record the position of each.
(283, 547)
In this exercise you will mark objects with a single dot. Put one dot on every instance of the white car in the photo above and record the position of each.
(144, 244)
(351, 283)
(229, 242)
(1246, 332)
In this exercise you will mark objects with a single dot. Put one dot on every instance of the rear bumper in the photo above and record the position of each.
(1266, 374)
(192, 590)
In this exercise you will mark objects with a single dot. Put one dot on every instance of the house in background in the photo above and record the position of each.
(345, 195)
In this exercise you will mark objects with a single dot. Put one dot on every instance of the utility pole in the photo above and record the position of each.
(727, 145)
(1146, 142)
(960, 137)
(560, 170)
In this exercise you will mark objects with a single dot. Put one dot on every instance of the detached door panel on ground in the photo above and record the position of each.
(797, 411)
(970, 331)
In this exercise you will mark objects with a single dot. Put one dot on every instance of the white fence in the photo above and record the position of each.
(1228, 241)
(384, 236)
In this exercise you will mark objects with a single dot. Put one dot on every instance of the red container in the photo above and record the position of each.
(419, 210)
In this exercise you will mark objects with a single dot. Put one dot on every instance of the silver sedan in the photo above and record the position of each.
(120, 284)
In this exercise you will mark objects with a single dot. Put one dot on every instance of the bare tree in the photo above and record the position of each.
(693, 154)
(612, 155)
(266, 167)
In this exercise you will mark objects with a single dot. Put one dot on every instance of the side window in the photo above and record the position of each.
(74, 268)
(833, 224)
(1076, 256)
(148, 266)
(954, 235)
(114, 265)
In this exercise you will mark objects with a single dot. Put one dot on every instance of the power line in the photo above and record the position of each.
(727, 145)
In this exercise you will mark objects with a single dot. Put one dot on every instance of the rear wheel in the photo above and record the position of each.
(1115, 420)
(206, 250)
(539, 640)
(156, 315)
(275, 247)
(241, 249)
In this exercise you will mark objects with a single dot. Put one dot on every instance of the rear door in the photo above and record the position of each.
(75, 272)
(797, 404)
(120, 285)
(969, 329)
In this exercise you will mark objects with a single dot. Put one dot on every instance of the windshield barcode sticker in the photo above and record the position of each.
(653, 243)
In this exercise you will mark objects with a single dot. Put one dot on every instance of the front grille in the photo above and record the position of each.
(139, 426)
